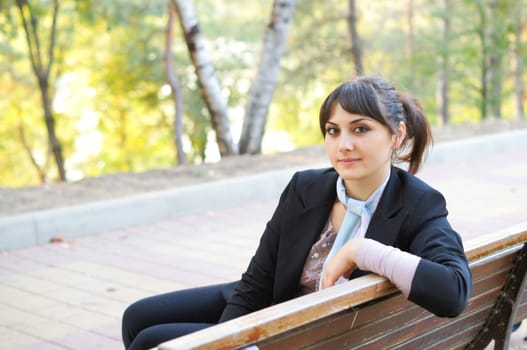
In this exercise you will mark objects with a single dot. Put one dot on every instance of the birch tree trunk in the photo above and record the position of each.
(356, 47)
(175, 86)
(209, 83)
(263, 86)
(444, 66)
(519, 85)
(42, 72)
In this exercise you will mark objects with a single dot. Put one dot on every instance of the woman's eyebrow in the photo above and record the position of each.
(358, 120)
(354, 121)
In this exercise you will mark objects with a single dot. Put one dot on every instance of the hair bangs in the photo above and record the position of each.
(361, 99)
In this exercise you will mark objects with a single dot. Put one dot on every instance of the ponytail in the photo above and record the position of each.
(418, 134)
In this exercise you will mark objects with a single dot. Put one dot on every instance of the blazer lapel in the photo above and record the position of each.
(309, 214)
(307, 218)
(389, 215)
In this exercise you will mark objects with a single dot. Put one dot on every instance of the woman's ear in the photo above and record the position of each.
(400, 135)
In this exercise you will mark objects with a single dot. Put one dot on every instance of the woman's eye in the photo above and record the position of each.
(331, 131)
(361, 129)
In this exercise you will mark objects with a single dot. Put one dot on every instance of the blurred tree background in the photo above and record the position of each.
(85, 89)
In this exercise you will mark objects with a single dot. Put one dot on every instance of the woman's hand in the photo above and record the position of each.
(342, 263)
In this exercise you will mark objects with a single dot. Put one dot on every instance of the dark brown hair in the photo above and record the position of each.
(376, 98)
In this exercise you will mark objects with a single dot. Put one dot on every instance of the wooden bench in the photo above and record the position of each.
(369, 313)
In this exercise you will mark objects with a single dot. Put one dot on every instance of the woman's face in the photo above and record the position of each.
(359, 147)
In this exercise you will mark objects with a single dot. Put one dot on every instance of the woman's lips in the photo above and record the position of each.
(348, 161)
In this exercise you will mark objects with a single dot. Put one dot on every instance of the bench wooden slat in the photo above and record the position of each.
(434, 331)
(490, 258)
(405, 336)
(386, 315)
(493, 265)
(521, 313)
(487, 281)
(376, 316)
(454, 341)
(290, 314)
(357, 328)
(489, 244)
(499, 323)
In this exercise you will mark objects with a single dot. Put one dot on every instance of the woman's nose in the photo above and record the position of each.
(346, 142)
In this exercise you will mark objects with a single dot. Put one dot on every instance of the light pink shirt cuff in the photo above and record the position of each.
(397, 266)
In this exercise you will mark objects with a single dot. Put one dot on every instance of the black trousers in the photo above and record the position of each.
(151, 321)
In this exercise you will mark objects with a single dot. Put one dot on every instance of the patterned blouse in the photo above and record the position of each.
(315, 261)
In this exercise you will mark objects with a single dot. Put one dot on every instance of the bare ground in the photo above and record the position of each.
(19, 200)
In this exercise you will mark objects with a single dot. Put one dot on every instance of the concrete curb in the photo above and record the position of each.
(38, 227)
(460, 150)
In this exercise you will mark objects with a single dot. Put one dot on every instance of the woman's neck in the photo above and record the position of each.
(362, 189)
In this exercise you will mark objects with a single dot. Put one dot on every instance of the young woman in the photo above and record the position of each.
(361, 215)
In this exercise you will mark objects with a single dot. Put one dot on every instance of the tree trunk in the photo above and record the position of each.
(495, 59)
(42, 73)
(444, 66)
(25, 144)
(482, 33)
(123, 139)
(410, 35)
(263, 86)
(209, 84)
(356, 47)
(175, 86)
(519, 85)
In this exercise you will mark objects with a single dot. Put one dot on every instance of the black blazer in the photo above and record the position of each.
(410, 215)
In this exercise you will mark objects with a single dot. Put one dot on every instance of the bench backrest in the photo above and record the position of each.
(369, 312)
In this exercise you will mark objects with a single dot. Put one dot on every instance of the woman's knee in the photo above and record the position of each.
(131, 322)
(203, 305)
(153, 336)
(142, 340)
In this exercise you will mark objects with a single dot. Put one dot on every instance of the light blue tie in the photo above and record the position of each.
(351, 223)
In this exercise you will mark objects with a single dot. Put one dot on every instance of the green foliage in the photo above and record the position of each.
(114, 112)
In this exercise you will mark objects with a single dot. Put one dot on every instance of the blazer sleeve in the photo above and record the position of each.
(255, 289)
(442, 282)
